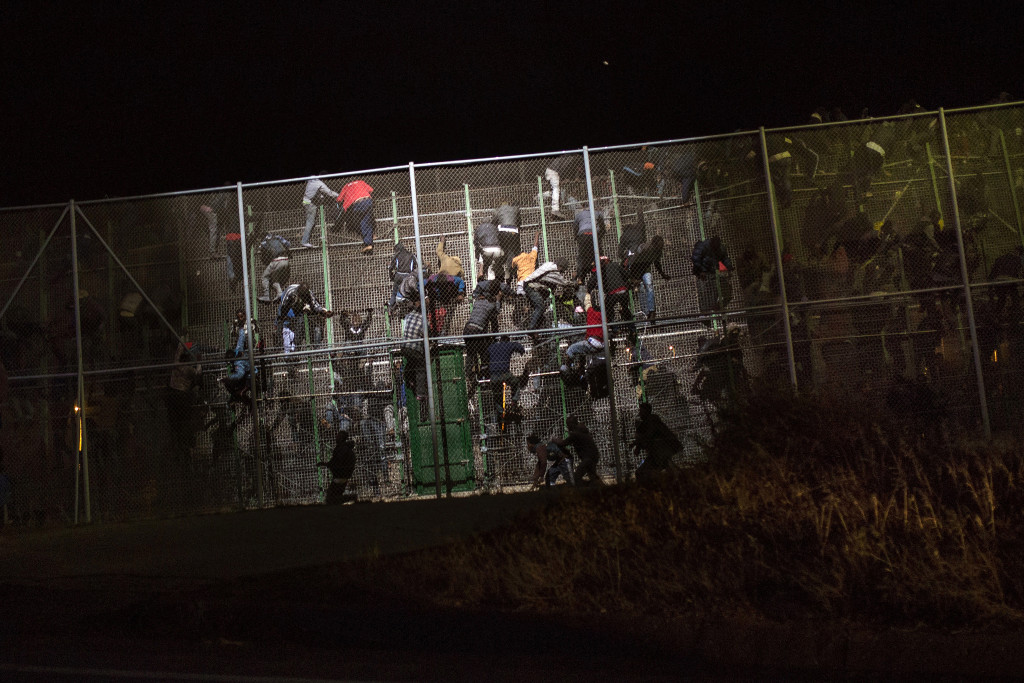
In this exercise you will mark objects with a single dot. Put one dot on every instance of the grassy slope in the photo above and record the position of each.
(806, 508)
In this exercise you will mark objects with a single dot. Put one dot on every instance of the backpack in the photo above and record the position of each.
(404, 263)
(271, 247)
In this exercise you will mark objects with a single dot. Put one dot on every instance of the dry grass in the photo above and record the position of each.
(819, 508)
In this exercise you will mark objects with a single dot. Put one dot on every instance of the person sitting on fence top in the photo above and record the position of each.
(297, 300)
(274, 252)
(356, 212)
(403, 264)
(315, 189)
(506, 217)
(448, 264)
(489, 253)
(538, 285)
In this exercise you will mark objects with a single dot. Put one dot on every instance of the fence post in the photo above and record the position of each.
(83, 441)
(604, 321)
(1013, 186)
(777, 239)
(986, 425)
(257, 426)
(426, 329)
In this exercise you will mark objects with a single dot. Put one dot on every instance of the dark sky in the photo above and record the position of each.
(111, 99)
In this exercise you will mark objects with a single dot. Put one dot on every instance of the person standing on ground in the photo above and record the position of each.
(587, 452)
(552, 462)
(655, 437)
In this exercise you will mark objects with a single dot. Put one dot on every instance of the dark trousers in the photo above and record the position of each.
(358, 218)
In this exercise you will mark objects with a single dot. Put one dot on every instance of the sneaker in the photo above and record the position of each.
(308, 245)
(368, 249)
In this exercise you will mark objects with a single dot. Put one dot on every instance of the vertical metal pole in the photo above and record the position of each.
(257, 426)
(84, 451)
(619, 476)
(554, 307)
(327, 277)
(426, 330)
(986, 425)
(777, 238)
(472, 250)
(931, 171)
(1013, 187)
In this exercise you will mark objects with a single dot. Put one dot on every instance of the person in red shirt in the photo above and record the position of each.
(356, 212)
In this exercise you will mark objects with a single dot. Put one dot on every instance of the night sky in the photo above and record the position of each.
(113, 99)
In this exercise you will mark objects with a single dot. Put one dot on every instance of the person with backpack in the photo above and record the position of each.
(274, 252)
(552, 462)
(441, 290)
(403, 264)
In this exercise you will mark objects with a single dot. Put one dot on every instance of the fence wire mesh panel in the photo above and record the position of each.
(681, 276)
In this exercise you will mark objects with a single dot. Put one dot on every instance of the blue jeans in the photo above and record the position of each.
(581, 348)
(563, 468)
(647, 293)
(359, 216)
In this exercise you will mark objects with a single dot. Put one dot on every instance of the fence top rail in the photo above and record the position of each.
(516, 157)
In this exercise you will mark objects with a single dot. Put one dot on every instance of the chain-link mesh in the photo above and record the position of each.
(381, 366)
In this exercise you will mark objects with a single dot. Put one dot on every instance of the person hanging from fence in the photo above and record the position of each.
(341, 465)
(552, 462)
(659, 442)
(447, 263)
(442, 291)
(483, 319)
(237, 381)
(616, 283)
(352, 368)
(355, 212)
(315, 192)
(641, 171)
(638, 265)
(240, 332)
(506, 217)
(402, 265)
(522, 265)
(559, 169)
(274, 251)
(593, 339)
(489, 254)
(710, 259)
(182, 392)
(505, 386)
(584, 225)
(414, 372)
(587, 452)
(538, 286)
(719, 369)
(296, 302)
(222, 214)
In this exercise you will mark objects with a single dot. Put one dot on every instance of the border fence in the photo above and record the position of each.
(203, 351)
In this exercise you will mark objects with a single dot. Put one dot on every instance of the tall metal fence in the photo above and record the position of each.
(203, 351)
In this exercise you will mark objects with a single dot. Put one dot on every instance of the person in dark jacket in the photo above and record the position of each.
(297, 300)
(506, 217)
(616, 289)
(274, 252)
(552, 462)
(538, 286)
(222, 215)
(587, 453)
(709, 258)
(403, 264)
(638, 267)
(489, 253)
(342, 464)
(584, 225)
(442, 290)
(482, 319)
(654, 437)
